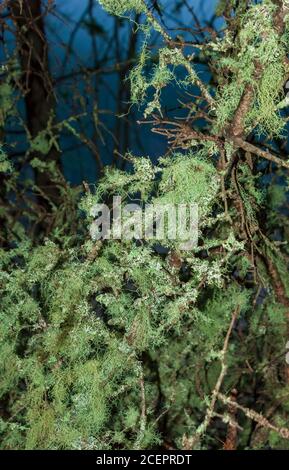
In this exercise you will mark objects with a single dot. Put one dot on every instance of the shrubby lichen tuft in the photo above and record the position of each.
(120, 7)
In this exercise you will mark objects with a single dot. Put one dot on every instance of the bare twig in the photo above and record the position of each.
(257, 417)
(259, 152)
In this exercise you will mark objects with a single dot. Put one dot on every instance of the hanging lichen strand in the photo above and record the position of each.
(112, 345)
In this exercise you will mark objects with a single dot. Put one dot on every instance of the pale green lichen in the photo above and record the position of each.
(120, 7)
(5, 164)
(257, 60)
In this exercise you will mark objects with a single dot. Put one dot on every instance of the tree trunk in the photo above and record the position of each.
(36, 82)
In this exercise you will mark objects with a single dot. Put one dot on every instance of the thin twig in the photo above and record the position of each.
(187, 65)
(257, 417)
(259, 152)
(190, 442)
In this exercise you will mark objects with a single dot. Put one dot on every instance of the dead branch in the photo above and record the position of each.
(257, 417)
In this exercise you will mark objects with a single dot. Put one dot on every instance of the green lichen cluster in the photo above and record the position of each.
(121, 344)
(255, 58)
(79, 332)
(83, 325)
(5, 165)
(120, 7)
(163, 73)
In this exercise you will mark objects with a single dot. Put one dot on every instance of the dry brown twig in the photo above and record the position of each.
(240, 143)
(257, 417)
